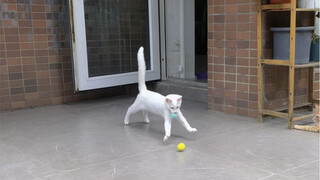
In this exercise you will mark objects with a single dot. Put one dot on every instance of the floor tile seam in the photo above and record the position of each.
(47, 176)
(281, 172)
(111, 161)
(140, 154)
(317, 154)
(197, 169)
(108, 162)
(64, 172)
(34, 159)
(95, 106)
(171, 145)
(299, 176)
(301, 165)
(227, 133)
(220, 158)
(231, 116)
(68, 106)
(30, 160)
(148, 152)
(253, 167)
(242, 164)
(37, 139)
(26, 172)
(289, 177)
(134, 155)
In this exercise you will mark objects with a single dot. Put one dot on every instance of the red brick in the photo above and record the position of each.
(217, 10)
(253, 113)
(230, 102)
(218, 2)
(218, 107)
(244, 8)
(230, 110)
(231, 9)
(242, 95)
(230, 94)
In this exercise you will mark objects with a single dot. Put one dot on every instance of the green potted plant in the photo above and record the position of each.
(315, 38)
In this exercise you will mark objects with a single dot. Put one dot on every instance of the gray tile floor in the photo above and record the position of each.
(88, 140)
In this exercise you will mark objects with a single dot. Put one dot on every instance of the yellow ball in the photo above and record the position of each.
(181, 146)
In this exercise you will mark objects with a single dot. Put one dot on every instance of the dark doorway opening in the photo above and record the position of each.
(201, 60)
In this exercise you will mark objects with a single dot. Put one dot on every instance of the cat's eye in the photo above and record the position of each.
(178, 107)
(171, 107)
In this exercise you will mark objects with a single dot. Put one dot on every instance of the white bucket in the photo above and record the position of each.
(309, 4)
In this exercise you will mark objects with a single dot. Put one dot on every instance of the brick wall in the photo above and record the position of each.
(232, 58)
(35, 55)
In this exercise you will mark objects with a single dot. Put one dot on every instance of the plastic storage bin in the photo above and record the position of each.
(308, 4)
(281, 43)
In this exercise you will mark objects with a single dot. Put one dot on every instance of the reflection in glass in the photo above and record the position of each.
(115, 30)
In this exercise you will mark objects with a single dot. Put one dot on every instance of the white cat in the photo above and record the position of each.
(147, 101)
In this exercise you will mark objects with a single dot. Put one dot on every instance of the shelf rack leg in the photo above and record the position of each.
(292, 61)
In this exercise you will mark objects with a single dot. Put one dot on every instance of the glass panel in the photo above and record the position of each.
(115, 30)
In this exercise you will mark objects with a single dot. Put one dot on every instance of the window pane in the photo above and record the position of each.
(115, 30)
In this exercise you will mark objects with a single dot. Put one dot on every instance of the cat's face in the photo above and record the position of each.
(173, 102)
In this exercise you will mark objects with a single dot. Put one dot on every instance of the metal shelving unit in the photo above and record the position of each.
(290, 116)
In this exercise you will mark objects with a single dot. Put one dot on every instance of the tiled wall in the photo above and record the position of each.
(35, 55)
(232, 58)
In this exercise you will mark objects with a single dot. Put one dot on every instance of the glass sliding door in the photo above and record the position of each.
(107, 36)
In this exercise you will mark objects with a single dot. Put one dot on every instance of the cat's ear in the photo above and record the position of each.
(179, 98)
(168, 100)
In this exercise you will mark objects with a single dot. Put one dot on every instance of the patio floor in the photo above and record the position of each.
(88, 140)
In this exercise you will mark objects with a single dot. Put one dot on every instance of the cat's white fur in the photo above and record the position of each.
(149, 101)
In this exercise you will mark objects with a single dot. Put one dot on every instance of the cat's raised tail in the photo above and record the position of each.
(141, 71)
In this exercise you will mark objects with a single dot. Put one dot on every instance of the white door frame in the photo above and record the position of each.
(80, 58)
(184, 62)
(163, 40)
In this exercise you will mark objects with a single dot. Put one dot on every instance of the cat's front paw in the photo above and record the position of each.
(192, 130)
(126, 122)
(166, 137)
(147, 121)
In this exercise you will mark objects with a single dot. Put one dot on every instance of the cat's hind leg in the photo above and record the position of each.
(135, 107)
(145, 116)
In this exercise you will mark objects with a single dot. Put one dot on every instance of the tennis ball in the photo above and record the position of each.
(173, 115)
(181, 146)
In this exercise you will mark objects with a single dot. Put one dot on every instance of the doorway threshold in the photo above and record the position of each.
(196, 82)
(189, 89)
